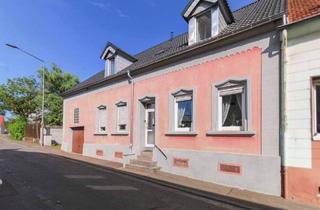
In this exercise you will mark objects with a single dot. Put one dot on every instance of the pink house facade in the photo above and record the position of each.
(204, 104)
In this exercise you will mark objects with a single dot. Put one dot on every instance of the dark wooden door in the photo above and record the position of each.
(77, 140)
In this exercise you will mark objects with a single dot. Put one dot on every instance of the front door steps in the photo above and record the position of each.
(144, 163)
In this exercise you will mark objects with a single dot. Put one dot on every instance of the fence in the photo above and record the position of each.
(56, 134)
(32, 132)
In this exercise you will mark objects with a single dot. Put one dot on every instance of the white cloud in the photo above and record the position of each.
(103, 5)
(121, 13)
(99, 5)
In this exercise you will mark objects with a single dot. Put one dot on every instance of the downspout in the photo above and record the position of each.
(131, 81)
(283, 144)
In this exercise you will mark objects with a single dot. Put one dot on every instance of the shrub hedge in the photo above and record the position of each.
(16, 128)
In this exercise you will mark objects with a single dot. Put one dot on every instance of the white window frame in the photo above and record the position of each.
(232, 91)
(99, 123)
(118, 105)
(315, 134)
(197, 24)
(176, 112)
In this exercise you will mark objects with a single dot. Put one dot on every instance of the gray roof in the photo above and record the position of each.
(259, 12)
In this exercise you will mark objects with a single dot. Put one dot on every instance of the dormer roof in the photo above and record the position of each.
(223, 4)
(114, 50)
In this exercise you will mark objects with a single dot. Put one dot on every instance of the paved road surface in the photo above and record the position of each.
(33, 180)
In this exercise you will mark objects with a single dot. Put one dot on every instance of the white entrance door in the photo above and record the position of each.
(150, 128)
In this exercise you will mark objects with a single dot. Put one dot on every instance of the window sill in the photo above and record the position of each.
(316, 137)
(100, 134)
(232, 133)
(185, 133)
(120, 133)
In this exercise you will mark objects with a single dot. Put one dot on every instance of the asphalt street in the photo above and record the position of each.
(34, 180)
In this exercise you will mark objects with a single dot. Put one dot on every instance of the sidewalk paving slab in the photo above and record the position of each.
(175, 180)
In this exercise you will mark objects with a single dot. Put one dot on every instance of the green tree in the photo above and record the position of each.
(19, 96)
(56, 83)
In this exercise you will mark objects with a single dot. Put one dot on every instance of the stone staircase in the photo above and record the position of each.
(144, 163)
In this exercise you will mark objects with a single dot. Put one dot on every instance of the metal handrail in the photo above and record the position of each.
(160, 150)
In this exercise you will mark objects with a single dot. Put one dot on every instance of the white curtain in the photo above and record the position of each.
(214, 21)
(226, 102)
(181, 111)
(122, 115)
(239, 102)
(192, 30)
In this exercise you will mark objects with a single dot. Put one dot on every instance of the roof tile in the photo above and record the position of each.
(301, 9)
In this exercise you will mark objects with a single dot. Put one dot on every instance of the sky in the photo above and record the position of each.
(73, 33)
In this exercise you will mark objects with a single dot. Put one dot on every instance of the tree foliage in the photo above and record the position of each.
(23, 96)
(56, 83)
(18, 96)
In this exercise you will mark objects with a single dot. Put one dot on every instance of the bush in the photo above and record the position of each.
(16, 128)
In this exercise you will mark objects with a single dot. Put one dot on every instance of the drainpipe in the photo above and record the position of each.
(283, 143)
(131, 81)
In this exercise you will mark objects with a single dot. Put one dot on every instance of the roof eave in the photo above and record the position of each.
(310, 18)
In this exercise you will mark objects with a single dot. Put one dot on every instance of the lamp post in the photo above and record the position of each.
(43, 67)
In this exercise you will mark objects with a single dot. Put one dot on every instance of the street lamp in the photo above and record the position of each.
(43, 67)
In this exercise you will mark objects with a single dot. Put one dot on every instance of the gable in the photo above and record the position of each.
(194, 4)
(108, 52)
(113, 49)
(197, 6)
(202, 6)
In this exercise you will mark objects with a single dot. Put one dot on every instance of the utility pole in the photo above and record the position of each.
(43, 80)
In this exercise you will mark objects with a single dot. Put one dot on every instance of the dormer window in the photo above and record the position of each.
(206, 18)
(204, 25)
(112, 64)
(116, 59)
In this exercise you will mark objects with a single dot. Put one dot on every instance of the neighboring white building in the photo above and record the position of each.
(301, 114)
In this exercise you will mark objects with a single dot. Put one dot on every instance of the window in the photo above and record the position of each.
(112, 66)
(183, 110)
(76, 115)
(204, 25)
(316, 109)
(101, 119)
(232, 107)
(122, 116)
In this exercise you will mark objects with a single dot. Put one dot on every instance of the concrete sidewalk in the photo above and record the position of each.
(187, 184)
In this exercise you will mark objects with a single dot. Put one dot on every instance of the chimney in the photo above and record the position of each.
(171, 35)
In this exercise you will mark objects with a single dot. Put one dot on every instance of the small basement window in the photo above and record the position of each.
(204, 23)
